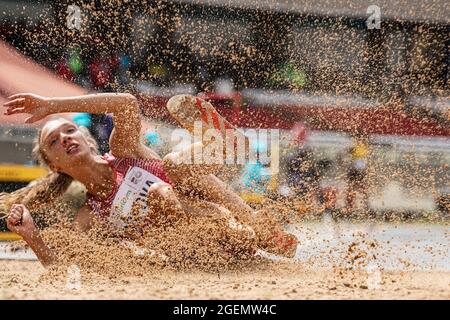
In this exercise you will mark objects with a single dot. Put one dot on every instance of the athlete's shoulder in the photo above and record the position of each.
(115, 161)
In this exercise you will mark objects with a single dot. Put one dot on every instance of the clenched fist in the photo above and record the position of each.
(20, 221)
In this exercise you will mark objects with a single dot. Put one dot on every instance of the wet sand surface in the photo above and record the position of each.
(334, 261)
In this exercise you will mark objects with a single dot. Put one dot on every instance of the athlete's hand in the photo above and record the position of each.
(20, 221)
(33, 104)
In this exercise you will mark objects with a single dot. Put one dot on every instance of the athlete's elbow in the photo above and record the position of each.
(130, 99)
(130, 104)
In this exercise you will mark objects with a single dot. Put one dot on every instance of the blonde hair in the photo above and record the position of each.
(45, 190)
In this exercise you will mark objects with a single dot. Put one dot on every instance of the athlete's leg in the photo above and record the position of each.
(197, 178)
(164, 207)
(234, 235)
(180, 164)
(192, 181)
(188, 110)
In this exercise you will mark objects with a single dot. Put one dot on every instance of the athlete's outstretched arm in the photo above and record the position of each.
(20, 221)
(125, 138)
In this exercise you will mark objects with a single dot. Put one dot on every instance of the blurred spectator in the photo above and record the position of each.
(100, 73)
(75, 61)
(289, 75)
(357, 172)
(224, 86)
(253, 178)
(82, 119)
(64, 71)
(303, 172)
(124, 70)
(159, 73)
(299, 134)
(298, 156)
(102, 126)
(153, 139)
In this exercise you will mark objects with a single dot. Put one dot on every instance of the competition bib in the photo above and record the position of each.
(133, 190)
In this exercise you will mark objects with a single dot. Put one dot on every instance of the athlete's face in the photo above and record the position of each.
(64, 145)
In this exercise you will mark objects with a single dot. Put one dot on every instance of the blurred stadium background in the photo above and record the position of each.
(363, 112)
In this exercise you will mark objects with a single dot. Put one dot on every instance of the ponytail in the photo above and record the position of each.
(45, 190)
(37, 193)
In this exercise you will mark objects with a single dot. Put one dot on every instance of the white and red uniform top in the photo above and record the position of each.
(132, 178)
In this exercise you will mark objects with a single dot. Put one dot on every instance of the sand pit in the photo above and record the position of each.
(22, 280)
(335, 263)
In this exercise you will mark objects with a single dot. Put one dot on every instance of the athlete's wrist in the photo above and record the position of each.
(51, 105)
(30, 235)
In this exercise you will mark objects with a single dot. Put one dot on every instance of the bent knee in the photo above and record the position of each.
(178, 168)
(171, 160)
(161, 190)
(171, 164)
